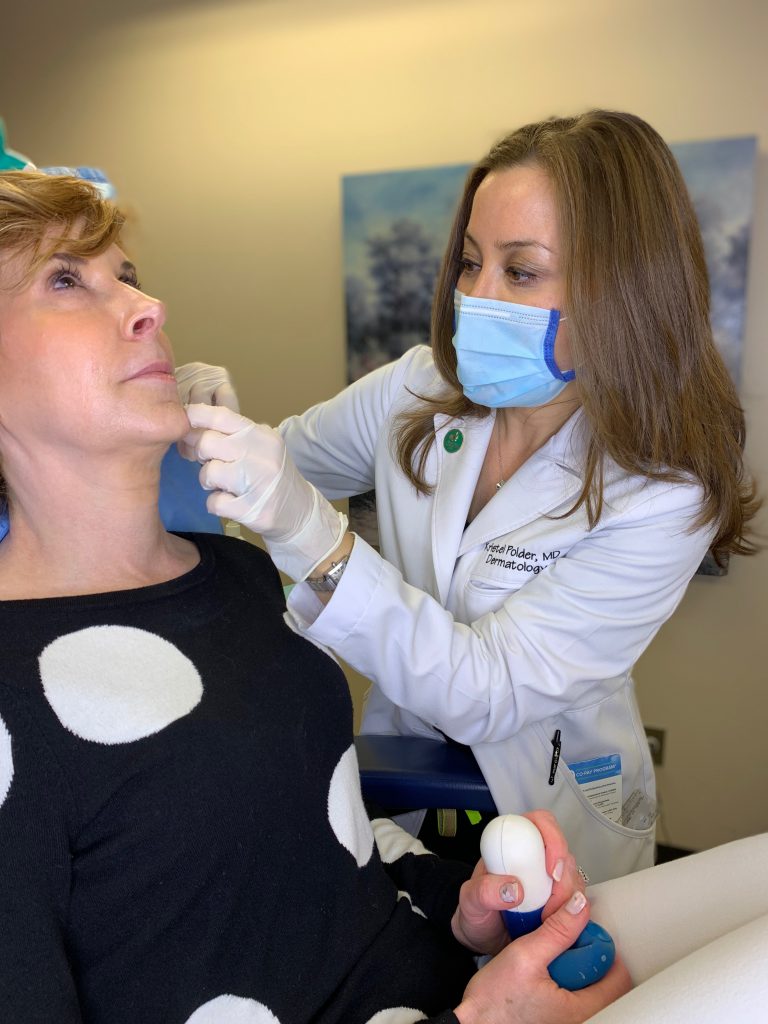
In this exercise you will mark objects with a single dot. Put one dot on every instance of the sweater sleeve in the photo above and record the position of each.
(432, 883)
(36, 982)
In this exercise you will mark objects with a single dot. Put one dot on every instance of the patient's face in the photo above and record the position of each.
(84, 362)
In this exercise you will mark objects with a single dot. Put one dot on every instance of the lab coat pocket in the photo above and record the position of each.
(482, 596)
(604, 848)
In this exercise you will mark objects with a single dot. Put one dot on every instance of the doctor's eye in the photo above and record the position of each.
(519, 276)
(467, 265)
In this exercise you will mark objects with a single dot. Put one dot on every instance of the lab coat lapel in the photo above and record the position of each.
(549, 478)
(457, 473)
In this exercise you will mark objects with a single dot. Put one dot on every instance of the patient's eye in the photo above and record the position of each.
(129, 277)
(66, 276)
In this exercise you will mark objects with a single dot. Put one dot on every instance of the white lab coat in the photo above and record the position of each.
(500, 632)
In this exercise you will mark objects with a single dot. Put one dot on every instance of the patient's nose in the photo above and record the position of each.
(147, 320)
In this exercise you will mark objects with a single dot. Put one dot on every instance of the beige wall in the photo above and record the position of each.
(227, 126)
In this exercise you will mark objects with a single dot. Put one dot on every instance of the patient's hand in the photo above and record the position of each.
(477, 922)
(515, 987)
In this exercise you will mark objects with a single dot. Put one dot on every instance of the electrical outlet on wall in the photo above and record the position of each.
(656, 743)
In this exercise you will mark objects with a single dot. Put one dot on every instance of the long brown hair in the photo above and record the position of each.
(656, 394)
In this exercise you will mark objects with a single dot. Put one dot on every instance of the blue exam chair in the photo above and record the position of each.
(409, 772)
(182, 499)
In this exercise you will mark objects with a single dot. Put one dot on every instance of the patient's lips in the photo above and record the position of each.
(160, 369)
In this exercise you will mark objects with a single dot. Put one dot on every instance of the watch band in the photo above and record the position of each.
(330, 579)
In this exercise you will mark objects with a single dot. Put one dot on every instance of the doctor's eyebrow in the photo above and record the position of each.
(522, 243)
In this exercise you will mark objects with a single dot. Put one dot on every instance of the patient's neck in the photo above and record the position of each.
(88, 528)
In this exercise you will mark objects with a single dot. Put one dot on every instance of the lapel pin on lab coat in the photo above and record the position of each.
(453, 440)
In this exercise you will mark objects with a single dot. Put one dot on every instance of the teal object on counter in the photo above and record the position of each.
(10, 160)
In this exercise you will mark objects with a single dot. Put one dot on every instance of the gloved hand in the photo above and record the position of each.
(255, 482)
(199, 382)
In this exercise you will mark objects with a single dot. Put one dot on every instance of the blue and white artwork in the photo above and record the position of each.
(396, 224)
(396, 227)
(720, 175)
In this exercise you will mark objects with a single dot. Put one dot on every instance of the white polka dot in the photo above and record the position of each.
(232, 1010)
(402, 895)
(397, 1015)
(394, 842)
(6, 762)
(346, 812)
(115, 684)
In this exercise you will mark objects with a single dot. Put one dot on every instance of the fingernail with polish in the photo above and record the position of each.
(510, 892)
(576, 903)
(557, 874)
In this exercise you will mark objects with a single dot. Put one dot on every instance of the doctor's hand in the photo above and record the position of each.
(477, 922)
(210, 385)
(515, 987)
(254, 481)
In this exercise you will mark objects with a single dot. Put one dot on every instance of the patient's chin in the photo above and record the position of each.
(179, 424)
(163, 422)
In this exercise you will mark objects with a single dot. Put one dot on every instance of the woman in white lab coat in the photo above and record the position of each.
(547, 482)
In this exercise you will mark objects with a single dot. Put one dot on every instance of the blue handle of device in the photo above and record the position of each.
(520, 922)
(588, 959)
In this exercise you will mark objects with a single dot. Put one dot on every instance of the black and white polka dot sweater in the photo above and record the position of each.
(182, 837)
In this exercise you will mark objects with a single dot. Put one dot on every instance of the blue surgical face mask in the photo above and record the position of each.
(506, 352)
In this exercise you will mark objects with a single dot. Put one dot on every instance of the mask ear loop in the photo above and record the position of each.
(549, 347)
(457, 295)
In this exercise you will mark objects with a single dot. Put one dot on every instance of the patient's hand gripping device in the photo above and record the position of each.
(512, 845)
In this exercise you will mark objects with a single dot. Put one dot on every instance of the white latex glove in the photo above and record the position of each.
(255, 482)
(211, 385)
(199, 382)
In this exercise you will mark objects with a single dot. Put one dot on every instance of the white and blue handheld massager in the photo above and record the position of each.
(512, 845)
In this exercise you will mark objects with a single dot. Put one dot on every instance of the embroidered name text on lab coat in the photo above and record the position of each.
(509, 556)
